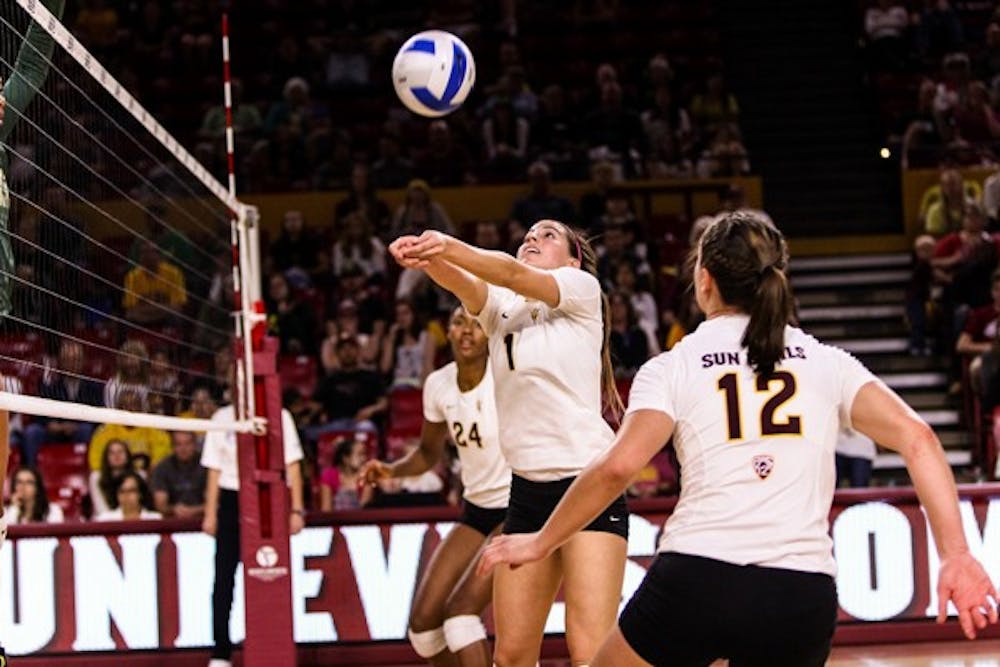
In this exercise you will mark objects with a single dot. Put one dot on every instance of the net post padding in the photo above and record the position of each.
(264, 512)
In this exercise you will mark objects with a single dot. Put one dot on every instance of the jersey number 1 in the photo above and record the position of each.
(728, 384)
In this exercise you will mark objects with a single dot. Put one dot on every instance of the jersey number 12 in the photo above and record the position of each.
(728, 384)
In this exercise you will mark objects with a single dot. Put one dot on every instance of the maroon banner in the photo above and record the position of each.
(120, 587)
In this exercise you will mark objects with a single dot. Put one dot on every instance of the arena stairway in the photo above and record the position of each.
(856, 302)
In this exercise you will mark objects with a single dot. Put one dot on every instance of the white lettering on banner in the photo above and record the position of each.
(35, 606)
(888, 590)
(310, 626)
(105, 592)
(195, 574)
(985, 546)
(385, 584)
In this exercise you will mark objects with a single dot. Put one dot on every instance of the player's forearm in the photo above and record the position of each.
(294, 472)
(935, 487)
(413, 464)
(30, 69)
(492, 266)
(212, 493)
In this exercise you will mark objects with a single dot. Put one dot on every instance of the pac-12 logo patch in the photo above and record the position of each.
(763, 465)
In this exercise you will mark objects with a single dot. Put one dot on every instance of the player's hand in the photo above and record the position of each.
(296, 522)
(513, 550)
(375, 471)
(399, 250)
(208, 525)
(963, 581)
(428, 245)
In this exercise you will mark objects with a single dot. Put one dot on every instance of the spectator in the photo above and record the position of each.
(164, 383)
(103, 483)
(618, 213)
(296, 249)
(201, 406)
(391, 169)
(667, 121)
(368, 295)
(148, 445)
(643, 303)
(953, 88)
(443, 162)
(714, 108)
(514, 89)
(348, 67)
(555, 135)
(594, 201)
(979, 333)
(214, 312)
(178, 481)
(174, 245)
(505, 141)
(97, 25)
(296, 114)
(629, 345)
(247, 121)
(135, 502)
(855, 453)
(407, 350)
(419, 212)
(922, 138)
(938, 30)
(362, 199)
(615, 132)
(290, 318)
(350, 398)
(65, 384)
(29, 502)
(132, 375)
(488, 235)
(725, 157)
(341, 486)
(540, 203)
(154, 290)
(988, 63)
(734, 198)
(918, 294)
(359, 247)
(885, 27)
(348, 323)
(618, 246)
(975, 120)
(943, 206)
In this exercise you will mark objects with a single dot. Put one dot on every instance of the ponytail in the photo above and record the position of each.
(764, 337)
(747, 256)
(582, 251)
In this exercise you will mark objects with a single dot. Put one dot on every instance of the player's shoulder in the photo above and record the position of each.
(443, 376)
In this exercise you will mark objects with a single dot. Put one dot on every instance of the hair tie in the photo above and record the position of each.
(764, 269)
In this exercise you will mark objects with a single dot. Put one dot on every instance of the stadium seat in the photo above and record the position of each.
(406, 412)
(298, 372)
(63, 467)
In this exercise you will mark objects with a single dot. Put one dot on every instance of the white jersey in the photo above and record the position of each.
(757, 459)
(219, 450)
(547, 369)
(471, 417)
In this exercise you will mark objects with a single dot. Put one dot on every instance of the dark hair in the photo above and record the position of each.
(343, 449)
(145, 496)
(580, 248)
(40, 508)
(747, 257)
(108, 481)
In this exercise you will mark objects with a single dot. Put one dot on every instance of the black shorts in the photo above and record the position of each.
(531, 504)
(481, 519)
(690, 611)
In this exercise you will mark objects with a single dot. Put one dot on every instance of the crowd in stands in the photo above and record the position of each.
(358, 336)
(319, 99)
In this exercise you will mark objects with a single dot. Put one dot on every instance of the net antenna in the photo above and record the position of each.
(90, 170)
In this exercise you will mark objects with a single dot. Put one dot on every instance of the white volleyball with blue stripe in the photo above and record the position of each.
(433, 73)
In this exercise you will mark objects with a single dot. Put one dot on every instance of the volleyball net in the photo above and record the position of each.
(123, 261)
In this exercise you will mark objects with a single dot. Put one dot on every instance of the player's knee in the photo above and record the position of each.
(464, 630)
(428, 643)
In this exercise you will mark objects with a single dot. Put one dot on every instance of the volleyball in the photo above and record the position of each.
(433, 73)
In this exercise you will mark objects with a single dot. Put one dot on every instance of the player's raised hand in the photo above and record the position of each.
(399, 251)
(513, 550)
(963, 581)
(429, 244)
(374, 471)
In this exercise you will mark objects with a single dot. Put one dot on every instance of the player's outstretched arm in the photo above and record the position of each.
(469, 289)
(493, 266)
(881, 415)
(30, 69)
(642, 435)
(418, 461)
